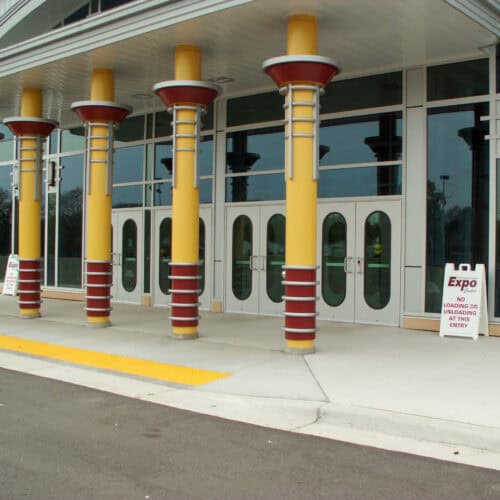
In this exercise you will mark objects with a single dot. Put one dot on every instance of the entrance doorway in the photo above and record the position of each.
(127, 256)
(255, 256)
(162, 256)
(359, 252)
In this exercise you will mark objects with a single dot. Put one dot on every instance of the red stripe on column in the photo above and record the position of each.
(188, 280)
(300, 315)
(98, 273)
(29, 284)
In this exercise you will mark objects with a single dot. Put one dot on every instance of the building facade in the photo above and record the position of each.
(409, 150)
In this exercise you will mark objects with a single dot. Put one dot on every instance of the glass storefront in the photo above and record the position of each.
(457, 192)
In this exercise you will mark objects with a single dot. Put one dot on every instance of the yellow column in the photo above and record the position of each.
(301, 189)
(185, 196)
(29, 207)
(98, 201)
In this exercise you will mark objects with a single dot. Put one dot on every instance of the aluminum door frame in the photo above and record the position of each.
(118, 292)
(345, 312)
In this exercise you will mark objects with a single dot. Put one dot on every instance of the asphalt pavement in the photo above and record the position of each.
(61, 441)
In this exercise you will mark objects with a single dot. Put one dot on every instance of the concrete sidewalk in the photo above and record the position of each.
(385, 387)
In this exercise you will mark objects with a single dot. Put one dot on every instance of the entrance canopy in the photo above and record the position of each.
(137, 41)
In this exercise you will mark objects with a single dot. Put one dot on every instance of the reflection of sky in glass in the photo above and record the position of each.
(72, 173)
(268, 144)
(128, 164)
(163, 153)
(346, 138)
(206, 157)
(127, 196)
(162, 193)
(5, 131)
(449, 155)
(361, 181)
(72, 140)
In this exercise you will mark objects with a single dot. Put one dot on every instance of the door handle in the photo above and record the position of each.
(263, 265)
(359, 264)
(348, 265)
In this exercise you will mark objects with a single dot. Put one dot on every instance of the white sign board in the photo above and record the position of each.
(11, 276)
(464, 309)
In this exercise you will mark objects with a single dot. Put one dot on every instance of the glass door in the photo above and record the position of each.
(336, 253)
(256, 254)
(359, 253)
(378, 262)
(127, 257)
(162, 256)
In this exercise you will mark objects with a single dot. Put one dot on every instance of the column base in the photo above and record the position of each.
(300, 347)
(98, 322)
(185, 335)
(29, 313)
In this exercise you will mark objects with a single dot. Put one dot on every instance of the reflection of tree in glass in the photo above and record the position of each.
(5, 215)
(70, 223)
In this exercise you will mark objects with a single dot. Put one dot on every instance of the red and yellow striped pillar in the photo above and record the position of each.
(100, 115)
(30, 130)
(300, 76)
(186, 98)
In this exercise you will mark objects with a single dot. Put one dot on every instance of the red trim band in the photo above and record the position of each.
(300, 315)
(29, 283)
(185, 282)
(99, 280)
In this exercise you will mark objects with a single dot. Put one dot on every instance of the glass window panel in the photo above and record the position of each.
(165, 255)
(147, 250)
(206, 191)
(7, 150)
(129, 255)
(149, 162)
(201, 256)
(275, 257)
(149, 125)
(457, 192)
(377, 286)
(360, 181)
(361, 139)
(498, 68)
(127, 196)
(70, 222)
(206, 157)
(130, 129)
(5, 216)
(163, 160)
(255, 108)
(163, 124)
(497, 266)
(366, 92)
(255, 150)
(50, 256)
(255, 188)
(5, 133)
(334, 252)
(128, 164)
(78, 15)
(242, 250)
(463, 79)
(53, 139)
(111, 4)
(73, 140)
(207, 118)
(162, 193)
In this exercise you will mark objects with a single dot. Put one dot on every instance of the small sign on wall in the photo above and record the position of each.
(11, 276)
(464, 309)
